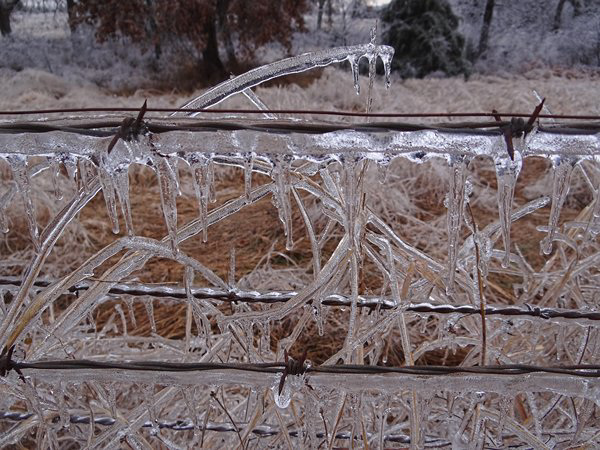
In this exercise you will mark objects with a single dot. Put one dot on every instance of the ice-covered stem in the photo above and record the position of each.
(563, 168)
(478, 280)
(310, 230)
(296, 64)
(455, 204)
(123, 268)
(49, 237)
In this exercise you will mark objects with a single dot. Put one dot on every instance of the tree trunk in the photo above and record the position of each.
(320, 14)
(485, 28)
(558, 14)
(6, 7)
(213, 66)
(225, 31)
(152, 29)
(329, 13)
(71, 15)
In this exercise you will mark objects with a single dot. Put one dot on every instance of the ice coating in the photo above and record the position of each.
(324, 173)
(296, 64)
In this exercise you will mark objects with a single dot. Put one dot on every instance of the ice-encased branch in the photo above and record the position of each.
(295, 64)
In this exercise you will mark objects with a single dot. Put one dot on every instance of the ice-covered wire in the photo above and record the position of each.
(577, 370)
(300, 112)
(334, 300)
(186, 424)
(106, 128)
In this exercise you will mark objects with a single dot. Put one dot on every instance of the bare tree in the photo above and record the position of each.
(6, 8)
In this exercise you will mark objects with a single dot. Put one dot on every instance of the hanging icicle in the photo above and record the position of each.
(563, 168)
(18, 165)
(507, 172)
(281, 197)
(455, 201)
(168, 197)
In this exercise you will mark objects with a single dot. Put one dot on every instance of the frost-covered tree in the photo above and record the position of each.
(425, 36)
(200, 24)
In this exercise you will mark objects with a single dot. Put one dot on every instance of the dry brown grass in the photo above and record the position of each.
(256, 231)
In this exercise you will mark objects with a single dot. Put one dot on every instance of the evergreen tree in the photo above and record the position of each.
(426, 38)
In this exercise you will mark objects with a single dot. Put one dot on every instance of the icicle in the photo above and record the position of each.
(55, 170)
(86, 171)
(372, 67)
(507, 172)
(383, 168)
(121, 183)
(353, 60)
(200, 175)
(248, 163)
(292, 384)
(281, 198)
(563, 168)
(372, 58)
(455, 204)
(70, 164)
(168, 197)
(210, 181)
(175, 165)
(19, 168)
(108, 190)
(387, 67)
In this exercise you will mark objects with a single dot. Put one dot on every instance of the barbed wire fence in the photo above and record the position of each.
(559, 402)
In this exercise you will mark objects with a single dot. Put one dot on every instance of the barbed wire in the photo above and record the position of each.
(186, 425)
(301, 112)
(333, 300)
(7, 364)
(107, 128)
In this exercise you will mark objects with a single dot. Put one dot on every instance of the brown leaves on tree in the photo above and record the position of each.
(196, 23)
